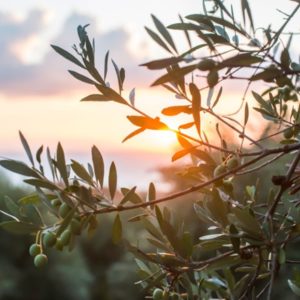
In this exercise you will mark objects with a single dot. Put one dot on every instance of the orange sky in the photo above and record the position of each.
(38, 96)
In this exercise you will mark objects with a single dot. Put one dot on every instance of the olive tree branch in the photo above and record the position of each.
(194, 188)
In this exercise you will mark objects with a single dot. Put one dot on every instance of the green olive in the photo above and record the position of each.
(157, 294)
(219, 170)
(49, 239)
(206, 65)
(227, 186)
(75, 226)
(66, 237)
(64, 210)
(232, 163)
(166, 295)
(56, 203)
(40, 260)
(175, 296)
(59, 245)
(212, 78)
(288, 133)
(34, 249)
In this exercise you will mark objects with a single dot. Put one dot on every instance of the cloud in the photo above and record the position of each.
(49, 76)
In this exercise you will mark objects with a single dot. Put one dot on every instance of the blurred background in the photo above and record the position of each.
(38, 97)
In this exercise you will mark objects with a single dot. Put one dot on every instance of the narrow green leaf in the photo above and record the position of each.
(30, 199)
(111, 94)
(164, 32)
(187, 27)
(267, 75)
(82, 78)
(19, 227)
(203, 18)
(106, 64)
(147, 123)
(246, 114)
(11, 206)
(61, 163)
(176, 110)
(90, 51)
(187, 35)
(68, 56)
(98, 164)
(128, 195)
(186, 125)
(154, 231)
(112, 180)
(81, 172)
(151, 192)
(137, 217)
(285, 59)
(96, 97)
(175, 75)
(242, 219)
(196, 106)
(132, 96)
(157, 39)
(117, 230)
(184, 142)
(246, 8)
(118, 75)
(42, 184)
(96, 75)
(26, 147)
(218, 97)
(159, 244)
(122, 76)
(181, 153)
(50, 162)
(132, 134)
(19, 168)
(240, 60)
(162, 63)
(39, 153)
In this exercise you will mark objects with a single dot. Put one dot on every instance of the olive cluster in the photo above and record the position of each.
(159, 294)
(228, 165)
(50, 238)
(291, 132)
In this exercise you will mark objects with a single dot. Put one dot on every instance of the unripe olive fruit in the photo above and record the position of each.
(75, 226)
(64, 210)
(288, 133)
(66, 237)
(232, 163)
(56, 203)
(157, 294)
(227, 186)
(175, 296)
(59, 245)
(49, 239)
(34, 249)
(219, 170)
(206, 65)
(212, 78)
(40, 260)
(166, 295)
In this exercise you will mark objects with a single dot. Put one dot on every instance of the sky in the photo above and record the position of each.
(38, 97)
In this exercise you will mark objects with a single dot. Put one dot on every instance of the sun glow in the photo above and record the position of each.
(166, 139)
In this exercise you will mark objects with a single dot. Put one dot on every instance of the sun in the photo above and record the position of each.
(164, 140)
